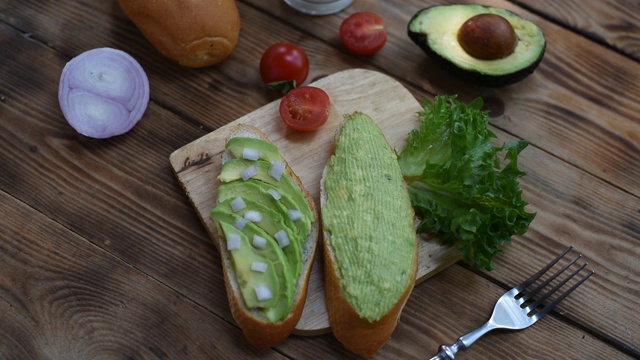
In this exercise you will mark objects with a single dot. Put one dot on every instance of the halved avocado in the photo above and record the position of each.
(435, 30)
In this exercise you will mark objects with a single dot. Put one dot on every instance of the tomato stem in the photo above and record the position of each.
(283, 86)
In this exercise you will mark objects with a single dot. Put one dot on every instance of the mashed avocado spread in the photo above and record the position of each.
(370, 219)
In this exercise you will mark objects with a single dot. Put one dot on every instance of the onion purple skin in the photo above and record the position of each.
(103, 93)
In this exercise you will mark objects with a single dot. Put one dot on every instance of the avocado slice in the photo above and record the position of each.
(267, 151)
(274, 254)
(243, 257)
(436, 30)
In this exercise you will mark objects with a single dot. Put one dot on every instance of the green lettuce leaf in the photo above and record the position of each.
(460, 187)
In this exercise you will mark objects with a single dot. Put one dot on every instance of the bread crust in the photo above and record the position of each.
(358, 335)
(194, 33)
(259, 331)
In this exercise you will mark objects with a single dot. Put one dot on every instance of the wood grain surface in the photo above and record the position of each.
(198, 164)
(614, 23)
(103, 256)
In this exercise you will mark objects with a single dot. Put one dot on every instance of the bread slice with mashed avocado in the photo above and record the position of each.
(370, 246)
(267, 226)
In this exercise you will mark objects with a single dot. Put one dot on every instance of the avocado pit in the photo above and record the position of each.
(487, 37)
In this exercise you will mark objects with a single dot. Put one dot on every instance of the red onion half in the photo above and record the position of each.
(103, 92)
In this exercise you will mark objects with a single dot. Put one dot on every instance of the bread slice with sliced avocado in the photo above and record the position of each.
(267, 225)
(370, 246)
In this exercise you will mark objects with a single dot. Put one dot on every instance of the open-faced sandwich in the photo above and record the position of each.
(267, 227)
(370, 246)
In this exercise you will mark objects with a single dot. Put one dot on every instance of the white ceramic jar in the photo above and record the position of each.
(319, 7)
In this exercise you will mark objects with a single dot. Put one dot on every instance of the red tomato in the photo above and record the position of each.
(363, 33)
(305, 108)
(283, 63)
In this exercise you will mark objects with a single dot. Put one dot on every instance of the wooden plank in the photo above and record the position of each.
(564, 107)
(119, 193)
(468, 305)
(555, 188)
(433, 317)
(198, 164)
(61, 297)
(194, 94)
(71, 287)
(601, 221)
(615, 23)
(569, 67)
(34, 133)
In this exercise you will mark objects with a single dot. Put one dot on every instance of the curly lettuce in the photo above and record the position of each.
(460, 188)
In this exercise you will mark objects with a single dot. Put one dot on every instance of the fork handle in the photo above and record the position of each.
(448, 352)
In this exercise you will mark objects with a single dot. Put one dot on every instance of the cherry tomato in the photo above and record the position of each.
(284, 64)
(363, 33)
(305, 108)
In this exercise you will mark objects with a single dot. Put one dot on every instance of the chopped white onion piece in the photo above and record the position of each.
(238, 204)
(259, 242)
(277, 169)
(103, 92)
(240, 223)
(295, 215)
(259, 266)
(249, 172)
(276, 195)
(253, 216)
(250, 154)
(233, 242)
(282, 237)
(263, 292)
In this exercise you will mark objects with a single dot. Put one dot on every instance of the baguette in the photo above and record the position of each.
(258, 329)
(361, 258)
(195, 33)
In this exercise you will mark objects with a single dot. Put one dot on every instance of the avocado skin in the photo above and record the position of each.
(470, 76)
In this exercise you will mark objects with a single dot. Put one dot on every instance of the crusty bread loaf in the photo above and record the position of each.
(259, 331)
(356, 333)
(193, 33)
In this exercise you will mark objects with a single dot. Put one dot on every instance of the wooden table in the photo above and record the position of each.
(103, 256)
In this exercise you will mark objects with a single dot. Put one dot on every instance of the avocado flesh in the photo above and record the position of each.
(268, 151)
(232, 171)
(258, 192)
(271, 223)
(248, 279)
(274, 254)
(435, 30)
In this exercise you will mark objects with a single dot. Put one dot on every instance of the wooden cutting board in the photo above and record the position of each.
(389, 103)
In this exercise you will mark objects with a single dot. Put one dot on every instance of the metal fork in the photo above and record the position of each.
(519, 307)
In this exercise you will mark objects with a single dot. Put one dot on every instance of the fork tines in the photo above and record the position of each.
(542, 292)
